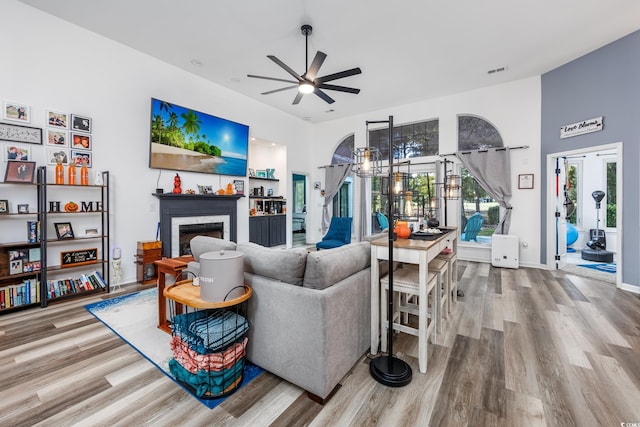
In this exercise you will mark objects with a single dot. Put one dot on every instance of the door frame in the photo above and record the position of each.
(551, 230)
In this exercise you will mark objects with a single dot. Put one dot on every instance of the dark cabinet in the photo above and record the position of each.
(268, 230)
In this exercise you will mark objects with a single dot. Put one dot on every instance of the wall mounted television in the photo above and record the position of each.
(184, 139)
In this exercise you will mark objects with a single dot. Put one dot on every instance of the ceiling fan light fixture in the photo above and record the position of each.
(306, 87)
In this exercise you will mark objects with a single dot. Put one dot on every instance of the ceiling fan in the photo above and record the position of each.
(308, 82)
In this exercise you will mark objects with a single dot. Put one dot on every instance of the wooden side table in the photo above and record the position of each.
(171, 266)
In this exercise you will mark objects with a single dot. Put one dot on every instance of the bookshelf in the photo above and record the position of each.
(38, 265)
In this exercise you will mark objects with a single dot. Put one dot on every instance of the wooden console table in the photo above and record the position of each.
(171, 266)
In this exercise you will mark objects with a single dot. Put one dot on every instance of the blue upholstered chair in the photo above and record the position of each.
(474, 225)
(339, 233)
(382, 221)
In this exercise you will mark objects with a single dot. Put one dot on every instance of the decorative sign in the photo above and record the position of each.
(80, 257)
(580, 128)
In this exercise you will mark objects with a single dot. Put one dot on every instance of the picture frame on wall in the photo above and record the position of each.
(57, 138)
(57, 120)
(63, 230)
(80, 123)
(19, 133)
(53, 154)
(20, 172)
(16, 153)
(525, 181)
(77, 156)
(16, 112)
(80, 141)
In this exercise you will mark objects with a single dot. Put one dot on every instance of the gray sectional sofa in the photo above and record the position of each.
(309, 314)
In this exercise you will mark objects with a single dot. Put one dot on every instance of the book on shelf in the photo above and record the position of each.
(25, 293)
(72, 285)
(33, 231)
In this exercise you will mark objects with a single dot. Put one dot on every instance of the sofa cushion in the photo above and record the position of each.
(202, 244)
(286, 265)
(328, 267)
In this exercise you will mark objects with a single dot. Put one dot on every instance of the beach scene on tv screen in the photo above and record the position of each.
(187, 140)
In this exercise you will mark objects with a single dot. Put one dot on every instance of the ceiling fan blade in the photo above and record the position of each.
(298, 97)
(315, 65)
(339, 88)
(285, 67)
(324, 96)
(279, 90)
(340, 75)
(270, 78)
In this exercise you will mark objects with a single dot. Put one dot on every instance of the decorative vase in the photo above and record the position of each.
(84, 173)
(59, 172)
(72, 174)
(402, 229)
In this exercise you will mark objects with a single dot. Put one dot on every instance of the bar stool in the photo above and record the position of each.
(406, 282)
(443, 289)
(452, 261)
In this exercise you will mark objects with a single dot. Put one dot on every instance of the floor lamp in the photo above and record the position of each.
(390, 370)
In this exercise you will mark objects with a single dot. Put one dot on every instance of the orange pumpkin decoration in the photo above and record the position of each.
(71, 207)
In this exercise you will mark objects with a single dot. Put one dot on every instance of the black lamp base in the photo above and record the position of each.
(390, 371)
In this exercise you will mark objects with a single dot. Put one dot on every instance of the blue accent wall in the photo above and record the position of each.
(605, 82)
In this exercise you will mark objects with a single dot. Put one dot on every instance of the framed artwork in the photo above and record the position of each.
(17, 133)
(21, 172)
(53, 154)
(58, 138)
(205, 189)
(4, 206)
(57, 120)
(63, 230)
(261, 174)
(80, 123)
(525, 181)
(239, 186)
(16, 153)
(23, 208)
(80, 141)
(16, 112)
(78, 156)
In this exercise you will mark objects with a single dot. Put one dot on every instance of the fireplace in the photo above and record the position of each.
(195, 209)
(184, 228)
(186, 232)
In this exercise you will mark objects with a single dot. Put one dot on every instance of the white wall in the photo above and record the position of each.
(51, 64)
(513, 108)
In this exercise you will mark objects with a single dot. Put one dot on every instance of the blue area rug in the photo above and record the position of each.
(134, 318)
(607, 268)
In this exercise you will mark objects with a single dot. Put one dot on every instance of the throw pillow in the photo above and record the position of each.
(328, 267)
(286, 265)
(202, 244)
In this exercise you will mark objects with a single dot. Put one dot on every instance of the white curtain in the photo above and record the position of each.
(492, 170)
(334, 177)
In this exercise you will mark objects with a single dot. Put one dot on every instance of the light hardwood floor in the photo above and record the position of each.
(524, 347)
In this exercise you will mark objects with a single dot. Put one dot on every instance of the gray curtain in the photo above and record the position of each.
(492, 170)
(334, 176)
(365, 209)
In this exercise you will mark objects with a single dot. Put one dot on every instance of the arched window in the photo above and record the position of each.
(475, 133)
(342, 201)
(344, 151)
